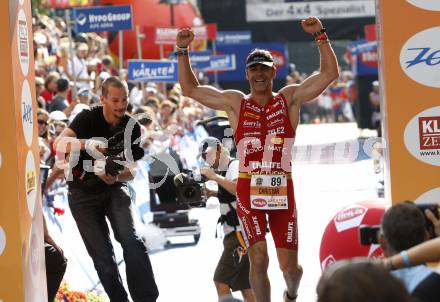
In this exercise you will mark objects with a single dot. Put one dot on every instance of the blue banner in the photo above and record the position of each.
(278, 50)
(364, 57)
(103, 18)
(152, 71)
(199, 59)
(221, 63)
(206, 61)
(233, 37)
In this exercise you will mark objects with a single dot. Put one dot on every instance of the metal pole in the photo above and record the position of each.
(214, 50)
(139, 37)
(71, 53)
(161, 51)
(121, 49)
(172, 14)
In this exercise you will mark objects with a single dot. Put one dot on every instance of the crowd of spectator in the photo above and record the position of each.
(336, 104)
(168, 119)
(67, 85)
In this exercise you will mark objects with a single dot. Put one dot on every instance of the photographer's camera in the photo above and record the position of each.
(191, 190)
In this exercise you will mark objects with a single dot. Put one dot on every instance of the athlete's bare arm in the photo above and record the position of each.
(315, 84)
(227, 100)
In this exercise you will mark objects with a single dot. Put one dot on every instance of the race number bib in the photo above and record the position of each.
(269, 192)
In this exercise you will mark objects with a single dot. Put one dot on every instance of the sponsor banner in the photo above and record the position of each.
(350, 217)
(152, 71)
(68, 3)
(410, 95)
(221, 63)
(103, 18)
(233, 37)
(27, 115)
(25, 279)
(420, 57)
(426, 4)
(30, 183)
(167, 35)
(341, 236)
(278, 50)
(268, 12)
(23, 42)
(422, 136)
(327, 262)
(365, 57)
(432, 196)
(206, 61)
(2, 240)
(199, 59)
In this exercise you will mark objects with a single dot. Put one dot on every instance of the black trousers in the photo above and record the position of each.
(55, 269)
(89, 211)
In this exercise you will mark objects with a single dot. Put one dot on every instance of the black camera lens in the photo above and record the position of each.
(369, 234)
(189, 193)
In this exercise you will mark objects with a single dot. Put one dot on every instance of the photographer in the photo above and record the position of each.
(359, 280)
(404, 226)
(232, 272)
(96, 193)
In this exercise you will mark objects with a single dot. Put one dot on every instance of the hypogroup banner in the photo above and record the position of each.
(103, 18)
(410, 90)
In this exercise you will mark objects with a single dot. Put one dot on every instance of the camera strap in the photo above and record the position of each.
(240, 239)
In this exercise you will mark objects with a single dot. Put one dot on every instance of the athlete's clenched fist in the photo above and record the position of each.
(184, 37)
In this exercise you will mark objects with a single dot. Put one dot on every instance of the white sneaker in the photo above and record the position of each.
(288, 299)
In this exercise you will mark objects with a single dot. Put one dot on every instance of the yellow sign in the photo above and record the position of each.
(21, 229)
(410, 79)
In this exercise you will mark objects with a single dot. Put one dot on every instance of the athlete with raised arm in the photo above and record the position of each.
(264, 125)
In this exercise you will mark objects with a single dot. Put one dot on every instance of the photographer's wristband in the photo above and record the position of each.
(405, 258)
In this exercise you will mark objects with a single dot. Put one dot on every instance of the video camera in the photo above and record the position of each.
(369, 234)
(191, 188)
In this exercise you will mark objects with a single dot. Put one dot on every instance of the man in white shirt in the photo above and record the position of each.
(79, 69)
(232, 272)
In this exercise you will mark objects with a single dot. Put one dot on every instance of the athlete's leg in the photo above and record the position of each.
(292, 271)
(258, 277)
(223, 290)
(248, 296)
(284, 229)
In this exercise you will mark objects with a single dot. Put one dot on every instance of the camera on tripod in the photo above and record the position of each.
(191, 189)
